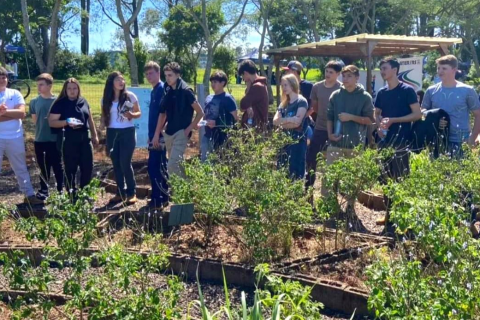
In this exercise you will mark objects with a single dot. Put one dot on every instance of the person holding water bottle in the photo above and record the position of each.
(12, 143)
(71, 120)
(349, 112)
(255, 102)
(396, 108)
(220, 114)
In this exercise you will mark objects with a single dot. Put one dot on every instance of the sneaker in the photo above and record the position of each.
(118, 198)
(33, 200)
(42, 195)
(381, 221)
(131, 199)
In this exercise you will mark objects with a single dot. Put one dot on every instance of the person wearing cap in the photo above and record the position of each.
(295, 67)
(255, 102)
(220, 114)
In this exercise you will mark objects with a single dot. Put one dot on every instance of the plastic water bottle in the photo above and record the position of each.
(383, 128)
(338, 127)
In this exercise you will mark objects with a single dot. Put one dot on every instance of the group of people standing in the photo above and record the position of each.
(329, 117)
(65, 132)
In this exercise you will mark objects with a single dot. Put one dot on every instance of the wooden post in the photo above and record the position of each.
(370, 46)
(277, 78)
(443, 49)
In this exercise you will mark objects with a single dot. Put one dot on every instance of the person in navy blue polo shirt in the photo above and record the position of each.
(157, 159)
(396, 108)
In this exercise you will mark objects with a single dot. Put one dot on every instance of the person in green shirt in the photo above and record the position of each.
(46, 152)
(349, 112)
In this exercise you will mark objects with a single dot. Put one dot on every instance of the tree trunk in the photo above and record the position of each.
(85, 23)
(30, 39)
(132, 59)
(208, 67)
(135, 21)
(211, 47)
(268, 75)
(372, 25)
(52, 46)
(474, 57)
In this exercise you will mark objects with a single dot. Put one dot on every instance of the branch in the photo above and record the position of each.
(106, 13)
(30, 39)
(189, 5)
(240, 16)
(135, 13)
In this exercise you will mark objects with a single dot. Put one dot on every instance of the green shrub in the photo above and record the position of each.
(244, 175)
(438, 276)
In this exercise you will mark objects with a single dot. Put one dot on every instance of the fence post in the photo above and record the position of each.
(201, 100)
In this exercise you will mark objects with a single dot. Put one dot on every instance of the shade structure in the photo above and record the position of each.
(364, 46)
(357, 46)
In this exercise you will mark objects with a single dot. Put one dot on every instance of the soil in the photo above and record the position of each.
(214, 296)
(225, 242)
(350, 271)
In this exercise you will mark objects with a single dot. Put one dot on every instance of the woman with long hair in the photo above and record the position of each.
(290, 116)
(71, 119)
(119, 108)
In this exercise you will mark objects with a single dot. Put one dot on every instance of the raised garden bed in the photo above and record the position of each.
(190, 255)
(372, 200)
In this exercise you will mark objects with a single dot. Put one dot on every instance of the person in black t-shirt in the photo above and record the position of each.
(176, 112)
(396, 107)
(71, 119)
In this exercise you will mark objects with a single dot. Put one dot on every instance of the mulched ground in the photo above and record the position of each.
(10, 195)
(214, 295)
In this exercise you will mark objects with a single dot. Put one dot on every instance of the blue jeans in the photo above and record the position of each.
(295, 156)
(455, 148)
(157, 171)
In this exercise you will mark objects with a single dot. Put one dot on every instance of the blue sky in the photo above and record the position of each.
(102, 33)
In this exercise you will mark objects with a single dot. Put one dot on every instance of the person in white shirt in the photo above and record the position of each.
(12, 144)
(14, 65)
(119, 108)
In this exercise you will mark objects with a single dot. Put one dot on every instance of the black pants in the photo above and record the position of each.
(77, 152)
(317, 145)
(394, 168)
(120, 146)
(48, 157)
(157, 171)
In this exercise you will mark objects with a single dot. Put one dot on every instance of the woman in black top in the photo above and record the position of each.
(75, 136)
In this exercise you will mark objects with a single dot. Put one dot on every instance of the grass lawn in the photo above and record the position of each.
(93, 91)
